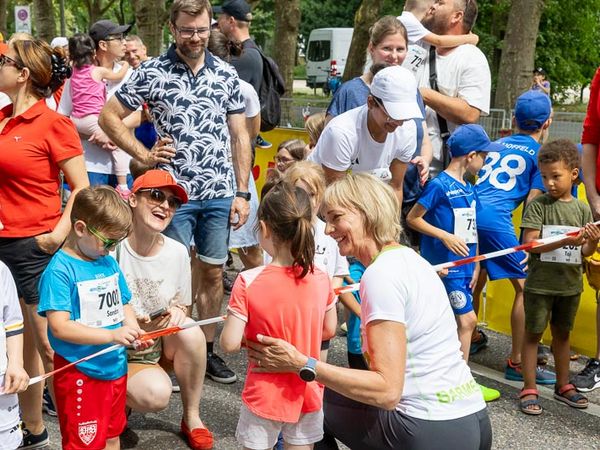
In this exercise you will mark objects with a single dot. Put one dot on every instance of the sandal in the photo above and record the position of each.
(524, 405)
(574, 401)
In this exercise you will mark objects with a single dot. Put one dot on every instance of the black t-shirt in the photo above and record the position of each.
(249, 64)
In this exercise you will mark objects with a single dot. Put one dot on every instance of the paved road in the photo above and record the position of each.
(560, 427)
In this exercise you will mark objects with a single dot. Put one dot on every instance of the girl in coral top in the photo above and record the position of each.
(290, 299)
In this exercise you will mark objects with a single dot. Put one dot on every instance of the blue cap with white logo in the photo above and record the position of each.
(471, 138)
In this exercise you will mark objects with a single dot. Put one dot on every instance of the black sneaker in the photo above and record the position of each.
(227, 283)
(217, 370)
(48, 404)
(174, 383)
(480, 344)
(34, 440)
(589, 378)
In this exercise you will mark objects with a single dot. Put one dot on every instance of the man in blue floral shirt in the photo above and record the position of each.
(198, 111)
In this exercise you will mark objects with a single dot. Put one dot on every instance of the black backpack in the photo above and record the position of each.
(270, 92)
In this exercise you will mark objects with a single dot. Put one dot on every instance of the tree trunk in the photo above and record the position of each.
(45, 26)
(366, 15)
(518, 53)
(150, 16)
(287, 24)
(3, 18)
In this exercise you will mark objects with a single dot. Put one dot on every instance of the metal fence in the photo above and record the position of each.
(497, 124)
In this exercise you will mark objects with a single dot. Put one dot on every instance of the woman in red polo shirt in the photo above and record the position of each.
(36, 143)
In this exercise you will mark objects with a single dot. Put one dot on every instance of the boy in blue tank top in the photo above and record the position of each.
(509, 178)
(445, 215)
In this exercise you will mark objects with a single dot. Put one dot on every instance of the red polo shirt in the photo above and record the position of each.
(31, 147)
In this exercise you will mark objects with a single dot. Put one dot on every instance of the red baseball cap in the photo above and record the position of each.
(159, 179)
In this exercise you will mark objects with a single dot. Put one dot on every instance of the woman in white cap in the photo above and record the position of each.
(379, 137)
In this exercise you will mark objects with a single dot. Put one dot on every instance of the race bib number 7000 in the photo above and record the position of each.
(100, 302)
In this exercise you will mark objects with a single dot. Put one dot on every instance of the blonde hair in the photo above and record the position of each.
(373, 199)
(314, 126)
(102, 208)
(310, 173)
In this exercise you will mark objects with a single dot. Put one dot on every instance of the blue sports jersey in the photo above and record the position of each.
(353, 338)
(441, 197)
(59, 291)
(505, 181)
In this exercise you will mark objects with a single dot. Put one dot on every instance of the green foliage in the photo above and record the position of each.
(326, 13)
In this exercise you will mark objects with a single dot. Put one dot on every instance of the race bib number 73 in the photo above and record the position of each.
(100, 302)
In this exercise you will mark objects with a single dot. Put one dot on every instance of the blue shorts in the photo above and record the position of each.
(507, 266)
(459, 294)
(207, 221)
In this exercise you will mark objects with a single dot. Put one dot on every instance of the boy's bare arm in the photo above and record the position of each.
(530, 234)
(16, 378)
(447, 40)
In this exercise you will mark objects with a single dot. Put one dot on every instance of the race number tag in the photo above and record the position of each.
(100, 302)
(569, 254)
(465, 225)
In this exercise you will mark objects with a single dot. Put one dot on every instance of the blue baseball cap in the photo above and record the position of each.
(471, 138)
(532, 110)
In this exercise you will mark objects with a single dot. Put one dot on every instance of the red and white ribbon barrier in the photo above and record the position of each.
(472, 259)
(145, 337)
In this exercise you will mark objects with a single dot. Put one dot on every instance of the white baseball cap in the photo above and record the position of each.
(396, 87)
(59, 41)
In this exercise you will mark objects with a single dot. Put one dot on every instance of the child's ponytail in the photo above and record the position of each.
(287, 211)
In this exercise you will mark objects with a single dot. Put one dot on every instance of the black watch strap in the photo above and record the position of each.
(245, 195)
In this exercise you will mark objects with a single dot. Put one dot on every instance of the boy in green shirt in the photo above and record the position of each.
(554, 281)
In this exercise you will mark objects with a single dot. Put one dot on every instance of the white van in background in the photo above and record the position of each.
(325, 45)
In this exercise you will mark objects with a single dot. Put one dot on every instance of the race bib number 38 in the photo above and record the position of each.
(100, 302)
(569, 254)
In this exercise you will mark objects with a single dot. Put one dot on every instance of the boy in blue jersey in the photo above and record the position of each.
(85, 298)
(507, 179)
(445, 215)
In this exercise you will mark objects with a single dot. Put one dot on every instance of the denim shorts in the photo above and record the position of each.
(207, 222)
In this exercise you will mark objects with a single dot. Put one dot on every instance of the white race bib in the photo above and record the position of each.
(100, 302)
(569, 254)
(465, 224)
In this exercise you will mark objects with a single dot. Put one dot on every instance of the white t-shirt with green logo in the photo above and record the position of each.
(401, 286)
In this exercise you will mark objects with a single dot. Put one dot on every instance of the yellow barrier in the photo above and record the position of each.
(500, 294)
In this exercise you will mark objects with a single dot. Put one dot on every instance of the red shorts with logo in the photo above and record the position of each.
(90, 411)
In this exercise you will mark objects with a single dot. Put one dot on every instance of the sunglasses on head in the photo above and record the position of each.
(158, 197)
(107, 243)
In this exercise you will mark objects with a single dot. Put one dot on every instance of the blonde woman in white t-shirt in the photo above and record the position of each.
(419, 392)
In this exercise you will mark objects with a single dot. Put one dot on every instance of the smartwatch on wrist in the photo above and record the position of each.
(309, 371)
(245, 195)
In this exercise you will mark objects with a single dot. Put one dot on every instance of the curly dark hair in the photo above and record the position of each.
(559, 150)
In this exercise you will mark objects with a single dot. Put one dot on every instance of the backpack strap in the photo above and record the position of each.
(443, 124)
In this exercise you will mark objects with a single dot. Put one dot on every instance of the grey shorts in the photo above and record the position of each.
(376, 429)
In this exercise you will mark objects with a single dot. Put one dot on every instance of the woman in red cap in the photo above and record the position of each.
(157, 269)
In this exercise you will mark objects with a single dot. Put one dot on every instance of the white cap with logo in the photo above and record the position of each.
(396, 87)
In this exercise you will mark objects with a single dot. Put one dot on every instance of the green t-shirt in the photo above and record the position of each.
(554, 278)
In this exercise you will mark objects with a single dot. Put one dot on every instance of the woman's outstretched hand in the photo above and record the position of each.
(275, 355)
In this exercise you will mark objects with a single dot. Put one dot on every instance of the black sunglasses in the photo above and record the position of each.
(4, 59)
(158, 197)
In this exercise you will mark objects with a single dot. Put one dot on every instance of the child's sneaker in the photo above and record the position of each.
(48, 404)
(514, 372)
(589, 378)
(123, 192)
(479, 344)
(261, 143)
(31, 441)
(174, 383)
